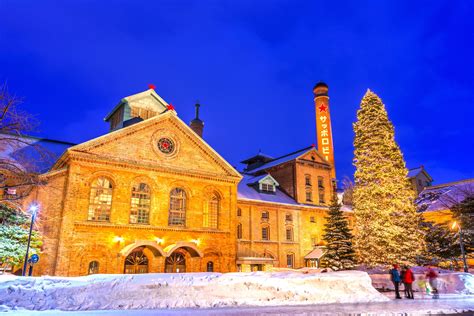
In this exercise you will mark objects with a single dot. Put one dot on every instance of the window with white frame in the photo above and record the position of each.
(177, 211)
(140, 204)
(100, 201)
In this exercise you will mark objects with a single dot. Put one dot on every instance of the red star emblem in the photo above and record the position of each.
(151, 86)
(170, 107)
(322, 108)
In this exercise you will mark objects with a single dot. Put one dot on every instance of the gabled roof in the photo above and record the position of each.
(416, 171)
(126, 131)
(245, 190)
(444, 196)
(283, 159)
(160, 104)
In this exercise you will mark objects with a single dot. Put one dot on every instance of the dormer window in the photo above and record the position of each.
(264, 184)
(267, 187)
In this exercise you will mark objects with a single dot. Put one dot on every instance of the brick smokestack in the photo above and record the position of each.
(323, 123)
(196, 124)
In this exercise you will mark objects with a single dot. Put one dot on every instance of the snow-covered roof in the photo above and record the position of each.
(282, 159)
(444, 196)
(412, 173)
(245, 190)
(35, 154)
(316, 253)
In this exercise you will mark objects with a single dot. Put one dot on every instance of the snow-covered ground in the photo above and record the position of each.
(190, 290)
(447, 304)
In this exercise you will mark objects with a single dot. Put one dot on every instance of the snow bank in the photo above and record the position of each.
(189, 290)
(449, 283)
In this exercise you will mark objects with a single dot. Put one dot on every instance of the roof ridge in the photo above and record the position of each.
(292, 153)
(449, 184)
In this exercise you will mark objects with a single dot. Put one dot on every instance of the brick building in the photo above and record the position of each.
(153, 196)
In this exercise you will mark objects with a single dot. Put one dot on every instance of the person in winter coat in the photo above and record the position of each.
(395, 278)
(402, 278)
(408, 278)
(432, 277)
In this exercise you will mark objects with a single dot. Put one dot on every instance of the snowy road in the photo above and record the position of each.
(451, 304)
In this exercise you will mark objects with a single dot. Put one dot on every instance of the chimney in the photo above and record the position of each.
(323, 123)
(197, 125)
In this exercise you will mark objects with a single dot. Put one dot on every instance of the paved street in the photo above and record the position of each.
(449, 304)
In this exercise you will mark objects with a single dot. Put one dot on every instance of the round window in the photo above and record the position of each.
(166, 145)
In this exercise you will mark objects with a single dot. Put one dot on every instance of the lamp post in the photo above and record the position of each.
(463, 252)
(33, 210)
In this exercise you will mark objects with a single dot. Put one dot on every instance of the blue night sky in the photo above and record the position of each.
(252, 65)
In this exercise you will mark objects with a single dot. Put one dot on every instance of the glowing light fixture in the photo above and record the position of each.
(196, 241)
(118, 239)
(159, 240)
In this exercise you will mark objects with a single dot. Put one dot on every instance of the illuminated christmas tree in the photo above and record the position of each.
(338, 237)
(387, 224)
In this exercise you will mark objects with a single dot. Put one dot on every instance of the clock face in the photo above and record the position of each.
(166, 145)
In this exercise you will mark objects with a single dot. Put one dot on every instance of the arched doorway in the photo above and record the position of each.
(176, 263)
(136, 262)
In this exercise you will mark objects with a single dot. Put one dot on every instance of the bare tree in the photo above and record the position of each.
(19, 155)
(348, 187)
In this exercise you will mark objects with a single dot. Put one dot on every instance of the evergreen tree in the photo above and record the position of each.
(387, 224)
(441, 244)
(338, 237)
(14, 230)
(463, 214)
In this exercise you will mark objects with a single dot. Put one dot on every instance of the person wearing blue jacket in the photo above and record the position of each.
(396, 279)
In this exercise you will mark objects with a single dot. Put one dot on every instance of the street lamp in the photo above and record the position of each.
(463, 253)
(33, 210)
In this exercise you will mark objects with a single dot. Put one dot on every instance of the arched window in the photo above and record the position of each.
(177, 211)
(265, 233)
(210, 266)
(93, 267)
(100, 201)
(289, 234)
(211, 213)
(239, 231)
(136, 262)
(140, 204)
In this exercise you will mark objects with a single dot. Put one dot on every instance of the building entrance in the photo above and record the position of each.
(136, 262)
(176, 263)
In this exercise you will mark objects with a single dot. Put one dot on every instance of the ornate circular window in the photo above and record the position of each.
(166, 145)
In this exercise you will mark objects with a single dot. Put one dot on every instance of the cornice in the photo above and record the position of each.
(146, 227)
(94, 159)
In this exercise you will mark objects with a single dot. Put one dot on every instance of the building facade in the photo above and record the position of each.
(153, 196)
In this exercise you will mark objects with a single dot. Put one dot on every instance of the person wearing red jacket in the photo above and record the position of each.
(408, 279)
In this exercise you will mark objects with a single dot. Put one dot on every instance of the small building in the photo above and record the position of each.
(419, 179)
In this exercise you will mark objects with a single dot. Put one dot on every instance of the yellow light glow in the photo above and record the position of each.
(159, 240)
(196, 241)
(454, 225)
(118, 239)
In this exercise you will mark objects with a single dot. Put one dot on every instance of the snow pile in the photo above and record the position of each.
(195, 290)
(449, 283)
